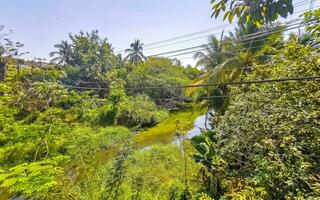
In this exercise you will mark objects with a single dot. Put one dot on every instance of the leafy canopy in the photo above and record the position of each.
(257, 12)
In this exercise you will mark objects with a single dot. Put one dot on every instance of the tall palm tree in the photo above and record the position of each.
(226, 67)
(135, 55)
(212, 55)
(64, 53)
(216, 97)
(221, 66)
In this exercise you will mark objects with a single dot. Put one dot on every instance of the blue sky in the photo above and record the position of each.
(40, 24)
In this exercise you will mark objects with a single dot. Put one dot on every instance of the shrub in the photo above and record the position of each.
(106, 115)
(139, 111)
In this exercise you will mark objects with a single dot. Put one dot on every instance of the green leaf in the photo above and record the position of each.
(230, 18)
(217, 13)
(223, 6)
(226, 15)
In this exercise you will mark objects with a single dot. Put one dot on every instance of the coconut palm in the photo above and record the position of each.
(212, 55)
(216, 97)
(221, 66)
(135, 55)
(63, 53)
(225, 67)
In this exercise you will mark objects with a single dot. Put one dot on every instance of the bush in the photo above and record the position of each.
(269, 136)
(106, 116)
(139, 111)
(161, 72)
(87, 140)
(160, 116)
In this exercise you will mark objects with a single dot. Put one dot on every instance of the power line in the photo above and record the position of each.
(189, 34)
(184, 36)
(202, 31)
(228, 69)
(239, 41)
(235, 51)
(228, 52)
(247, 82)
(243, 39)
(231, 83)
(242, 43)
(270, 33)
(307, 78)
(262, 34)
(170, 44)
(254, 67)
(232, 26)
(175, 98)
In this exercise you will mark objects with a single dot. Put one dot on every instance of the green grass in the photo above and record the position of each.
(164, 132)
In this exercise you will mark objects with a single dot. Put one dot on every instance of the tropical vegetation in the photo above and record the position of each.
(91, 124)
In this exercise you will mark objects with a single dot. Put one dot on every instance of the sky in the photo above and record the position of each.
(40, 24)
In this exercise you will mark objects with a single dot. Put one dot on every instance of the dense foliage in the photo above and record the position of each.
(258, 12)
(91, 125)
(265, 144)
(62, 124)
(268, 138)
(165, 76)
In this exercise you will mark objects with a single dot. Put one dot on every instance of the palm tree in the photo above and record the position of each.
(212, 55)
(225, 67)
(306, 39)
(64, 53)
(216, 97)
(135, 55)
(221, 66)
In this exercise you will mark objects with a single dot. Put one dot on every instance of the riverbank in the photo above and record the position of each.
(164, 132)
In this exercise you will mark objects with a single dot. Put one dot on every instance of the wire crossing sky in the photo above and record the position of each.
(41, 24)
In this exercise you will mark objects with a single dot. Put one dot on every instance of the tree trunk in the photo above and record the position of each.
(2, 71)
(2, 74)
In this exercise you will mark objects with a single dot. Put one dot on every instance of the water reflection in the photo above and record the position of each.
(199, 124)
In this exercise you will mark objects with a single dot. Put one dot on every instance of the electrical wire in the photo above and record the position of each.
(204, 31)
(307, 78)
(205, 36)
(175, 98)
(201, 49)
(228, 69)
(225, 96)
(255, 67)
(238, 40)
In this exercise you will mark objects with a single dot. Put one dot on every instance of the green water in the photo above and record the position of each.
(164, 132)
